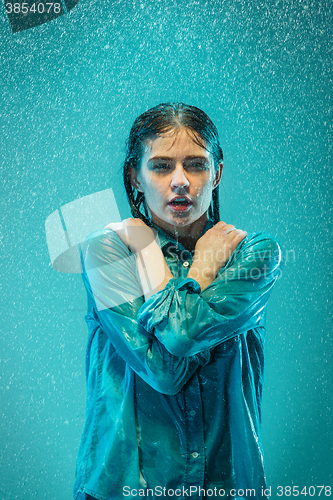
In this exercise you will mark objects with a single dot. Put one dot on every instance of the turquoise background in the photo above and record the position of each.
(70, 90)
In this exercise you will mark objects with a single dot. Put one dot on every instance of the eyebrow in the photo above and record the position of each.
(192, 157)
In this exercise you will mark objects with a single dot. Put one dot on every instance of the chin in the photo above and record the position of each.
(182, 219)
(183, 222)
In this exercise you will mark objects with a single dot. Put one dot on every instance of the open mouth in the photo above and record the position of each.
(180, 204)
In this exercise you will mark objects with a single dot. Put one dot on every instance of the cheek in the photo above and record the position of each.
(205, 188)
(153, 191)
(204, 194)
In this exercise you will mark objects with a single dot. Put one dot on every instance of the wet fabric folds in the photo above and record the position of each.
(174, 383)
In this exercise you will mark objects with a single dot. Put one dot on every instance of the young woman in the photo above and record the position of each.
(176, 317)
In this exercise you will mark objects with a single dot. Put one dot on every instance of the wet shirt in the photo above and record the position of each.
(174, 383)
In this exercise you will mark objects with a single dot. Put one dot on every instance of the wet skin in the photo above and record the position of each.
(177, 177)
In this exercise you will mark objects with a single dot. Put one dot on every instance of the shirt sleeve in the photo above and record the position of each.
(114, 300)
(188, 321)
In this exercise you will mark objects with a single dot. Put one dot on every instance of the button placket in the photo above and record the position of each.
(195, 436)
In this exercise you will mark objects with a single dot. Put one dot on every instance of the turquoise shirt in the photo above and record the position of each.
(174, 383)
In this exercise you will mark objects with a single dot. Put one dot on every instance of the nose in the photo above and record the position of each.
(179, 178)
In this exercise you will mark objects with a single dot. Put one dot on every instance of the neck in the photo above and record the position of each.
(186, 235)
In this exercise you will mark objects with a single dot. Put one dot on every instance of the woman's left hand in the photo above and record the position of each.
(212, 252)
(134, 233)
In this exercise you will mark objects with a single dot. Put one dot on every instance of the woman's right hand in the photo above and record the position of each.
(134, 233)
(153, 270)
(213, 250)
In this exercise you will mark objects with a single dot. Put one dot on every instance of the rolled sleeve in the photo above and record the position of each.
(158, 308)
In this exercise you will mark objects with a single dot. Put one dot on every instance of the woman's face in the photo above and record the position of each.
(177, 177)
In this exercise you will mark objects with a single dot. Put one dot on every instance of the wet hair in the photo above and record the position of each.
(161, 119)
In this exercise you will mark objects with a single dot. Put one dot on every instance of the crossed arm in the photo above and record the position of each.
(212, 251)
(167, 336)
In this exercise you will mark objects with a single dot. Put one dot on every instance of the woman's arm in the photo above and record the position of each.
(212, 251)
(195, 314)
(187, 320)
(115, 298)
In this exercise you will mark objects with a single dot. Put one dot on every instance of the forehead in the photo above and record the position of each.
(175, 144)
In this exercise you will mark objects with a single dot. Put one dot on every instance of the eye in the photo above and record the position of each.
(197, 166)
(161, 167)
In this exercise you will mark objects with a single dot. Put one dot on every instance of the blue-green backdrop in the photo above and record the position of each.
(70, 90)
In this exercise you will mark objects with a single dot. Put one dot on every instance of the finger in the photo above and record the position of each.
(240, 235)
(132, 221)
(228, 228)
(129, 222)
(220, 224)
(115, 226)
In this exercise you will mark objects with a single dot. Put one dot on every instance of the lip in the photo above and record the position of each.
(180, 208)
(175, 198)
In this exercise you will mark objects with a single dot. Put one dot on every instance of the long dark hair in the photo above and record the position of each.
(160, 120)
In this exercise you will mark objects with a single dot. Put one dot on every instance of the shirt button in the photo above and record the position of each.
(192, 413)
(195, 454)
(186, 264)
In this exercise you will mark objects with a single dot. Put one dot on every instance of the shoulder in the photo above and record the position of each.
(260, 250)
(102, 237)
(104, 245)
(261, 242)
